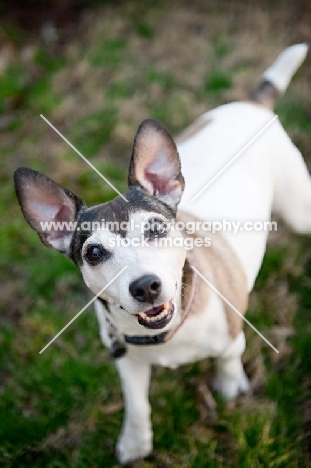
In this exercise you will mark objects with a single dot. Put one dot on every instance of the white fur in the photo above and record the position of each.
(287, 63)
(270, 174)
(139, 261)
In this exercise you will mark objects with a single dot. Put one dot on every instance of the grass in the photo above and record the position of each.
(91, 132)
(109, 53)
(12, 85)
(162, 78)
(217, 81)
(64, 408)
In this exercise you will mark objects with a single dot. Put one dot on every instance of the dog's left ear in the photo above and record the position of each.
(155, 164)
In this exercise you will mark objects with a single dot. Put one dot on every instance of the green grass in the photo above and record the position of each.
(295, 115)
(98, 191)
(13, 85)
(108, 53)
(120, 90)
(217, 80)
(91, 132)
(41, 98)
(222, 48)
(173, 112)
(143, 29)
(162, 78)
(63, 408)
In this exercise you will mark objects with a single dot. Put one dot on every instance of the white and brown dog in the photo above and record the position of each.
(159, 310)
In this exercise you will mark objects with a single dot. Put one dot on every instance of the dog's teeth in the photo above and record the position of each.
(155, 318)
(163, 314)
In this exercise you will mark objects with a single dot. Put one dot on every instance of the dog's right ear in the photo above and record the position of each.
(43, 201)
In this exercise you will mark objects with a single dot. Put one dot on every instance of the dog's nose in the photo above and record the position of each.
(146, 288)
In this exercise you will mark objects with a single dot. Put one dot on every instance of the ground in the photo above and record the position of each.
(96, 76)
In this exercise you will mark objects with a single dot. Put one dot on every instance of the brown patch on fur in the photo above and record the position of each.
(202, 293)
(187, 284)
(193, 129)
(265, 94)
(222, 268)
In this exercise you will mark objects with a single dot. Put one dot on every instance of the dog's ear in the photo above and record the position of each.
(155, 164)
(43, 201)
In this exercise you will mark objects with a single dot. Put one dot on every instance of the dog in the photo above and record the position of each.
(172, 304)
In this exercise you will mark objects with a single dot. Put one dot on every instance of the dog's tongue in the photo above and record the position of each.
(154, 311)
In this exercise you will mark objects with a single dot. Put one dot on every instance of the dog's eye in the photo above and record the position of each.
(158, 228)
(95, 253)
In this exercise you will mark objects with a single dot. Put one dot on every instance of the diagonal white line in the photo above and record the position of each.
(82, 310)
(234, 158)
(83, 157)
(235, 310)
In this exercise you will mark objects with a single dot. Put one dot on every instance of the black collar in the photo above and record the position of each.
(146, 340)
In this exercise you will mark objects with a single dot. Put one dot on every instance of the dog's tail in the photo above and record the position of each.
(276, 78)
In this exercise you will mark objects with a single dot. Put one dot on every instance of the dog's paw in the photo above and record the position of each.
(230, 386)
(130, 447)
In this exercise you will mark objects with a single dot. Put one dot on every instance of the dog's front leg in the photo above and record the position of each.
(135, 440)
(230, 379)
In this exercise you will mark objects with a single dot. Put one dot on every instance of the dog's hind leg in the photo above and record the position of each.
(135, 440)
(292, 187)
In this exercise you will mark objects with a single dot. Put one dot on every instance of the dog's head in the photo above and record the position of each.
(117, 234)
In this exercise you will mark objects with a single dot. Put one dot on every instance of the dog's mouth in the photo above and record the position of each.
(157, 317)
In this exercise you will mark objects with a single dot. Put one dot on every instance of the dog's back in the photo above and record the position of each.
(235, 155)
